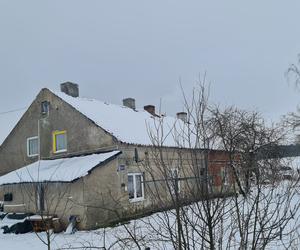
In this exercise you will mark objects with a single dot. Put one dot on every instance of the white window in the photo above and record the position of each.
(135, 187)
(32, 146)
(174, 181)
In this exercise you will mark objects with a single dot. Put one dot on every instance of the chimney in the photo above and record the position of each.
(70, 89)
(182, 116)
(150, 109)
(129, 102)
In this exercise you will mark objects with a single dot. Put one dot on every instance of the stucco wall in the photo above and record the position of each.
(61, 199)
(82, 134)
(105, 189)
(101, 198)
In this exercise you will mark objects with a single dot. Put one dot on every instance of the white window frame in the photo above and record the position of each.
(135, 199)
(29, 139)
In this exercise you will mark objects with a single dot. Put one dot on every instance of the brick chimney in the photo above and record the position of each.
(150, 109)
(70, 89)
(182, 116)
(129, 102)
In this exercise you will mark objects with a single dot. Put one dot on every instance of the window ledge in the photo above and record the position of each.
(141, 199)
(60, 151)
(35, 155)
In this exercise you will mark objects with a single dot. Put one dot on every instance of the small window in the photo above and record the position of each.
(202, 171)
(224, 176)
(136, 155)
(59, 141)
(174, 181)
(135, 187)
(40, 198)
(121, 168)
(8, 197)
(33, 146)
(45, 107)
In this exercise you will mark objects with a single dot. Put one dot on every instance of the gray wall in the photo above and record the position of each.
(82, 134)
(101, 198)
(61, 199)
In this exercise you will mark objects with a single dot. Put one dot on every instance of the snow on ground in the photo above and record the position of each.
(111, 238)
(84, 239)
(65, 169)
(30, 241)
(148, 231)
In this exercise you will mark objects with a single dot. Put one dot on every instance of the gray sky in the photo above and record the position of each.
(116, 49)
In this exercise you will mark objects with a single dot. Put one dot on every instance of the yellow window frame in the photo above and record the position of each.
(54, 134)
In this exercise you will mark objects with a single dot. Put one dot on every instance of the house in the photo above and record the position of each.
(100, 162)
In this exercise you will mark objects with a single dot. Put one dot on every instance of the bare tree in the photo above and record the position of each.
(293, 73)
(293, 76)
(262, 214)
(220, 187)
(46, 200)
(42, 200)
(265, 208)
(184, 179)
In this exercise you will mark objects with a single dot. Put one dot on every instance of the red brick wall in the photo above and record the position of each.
(218, 160)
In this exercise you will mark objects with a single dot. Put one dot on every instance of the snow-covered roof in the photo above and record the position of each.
(127, 125)
(8, 121)
(59, 170)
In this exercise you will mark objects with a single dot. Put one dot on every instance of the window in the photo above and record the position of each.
(45, 107)
(121, 168)
(59, 141)
(135, 187)
(32, 146)
(8, 197)
(224, 176)
(40, 198)
(174, 181)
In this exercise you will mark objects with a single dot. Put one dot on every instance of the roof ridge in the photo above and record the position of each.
(58, 93)
(125, 124)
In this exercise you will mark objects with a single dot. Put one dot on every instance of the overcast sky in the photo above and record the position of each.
(140, 49)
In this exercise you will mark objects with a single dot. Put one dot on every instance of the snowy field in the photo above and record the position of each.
(144, 230)
(152, 231)
(110, 238)
(86, 240)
